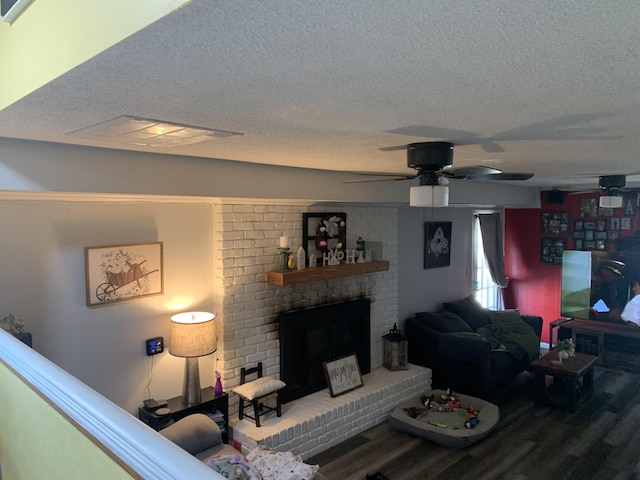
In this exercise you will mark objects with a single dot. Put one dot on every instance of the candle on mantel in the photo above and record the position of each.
(284, 242)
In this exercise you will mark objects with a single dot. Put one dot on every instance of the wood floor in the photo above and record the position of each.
(601, 440)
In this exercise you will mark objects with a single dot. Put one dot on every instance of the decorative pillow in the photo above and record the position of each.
(443, 321)
(470, 311)
(280, 465)
(194, 433)
(259, 387)
(234, 467)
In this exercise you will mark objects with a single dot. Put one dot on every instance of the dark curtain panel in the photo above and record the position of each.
(493, 245)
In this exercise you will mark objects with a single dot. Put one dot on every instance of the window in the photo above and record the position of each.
(486, 292)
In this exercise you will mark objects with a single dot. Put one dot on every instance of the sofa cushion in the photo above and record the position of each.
(470, 311)
(443, 321)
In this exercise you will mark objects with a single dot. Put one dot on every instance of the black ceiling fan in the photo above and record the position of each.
(613, 187)
(434, 164)
(609, 185)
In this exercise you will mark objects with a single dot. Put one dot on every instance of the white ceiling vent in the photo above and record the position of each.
(149, 133)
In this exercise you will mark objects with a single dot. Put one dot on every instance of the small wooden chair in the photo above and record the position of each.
(254, 393)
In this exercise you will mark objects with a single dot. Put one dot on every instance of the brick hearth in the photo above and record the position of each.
(317, 422)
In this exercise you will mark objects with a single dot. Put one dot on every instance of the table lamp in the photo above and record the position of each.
(193, 335)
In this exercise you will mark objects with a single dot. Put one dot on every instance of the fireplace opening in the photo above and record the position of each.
(315, 335)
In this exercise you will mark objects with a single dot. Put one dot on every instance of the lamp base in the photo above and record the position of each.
(191, 393)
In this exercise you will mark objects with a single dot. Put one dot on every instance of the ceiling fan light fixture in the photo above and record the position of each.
(610, 201)
(429, 196)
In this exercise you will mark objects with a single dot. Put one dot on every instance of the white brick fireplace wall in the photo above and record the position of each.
(246, 241)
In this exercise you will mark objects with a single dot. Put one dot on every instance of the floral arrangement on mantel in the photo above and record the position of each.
(331, 234)
(565, 349)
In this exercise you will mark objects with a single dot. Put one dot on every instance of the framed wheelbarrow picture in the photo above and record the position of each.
(123, 272)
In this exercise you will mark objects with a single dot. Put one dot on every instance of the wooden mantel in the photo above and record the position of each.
(326, 273)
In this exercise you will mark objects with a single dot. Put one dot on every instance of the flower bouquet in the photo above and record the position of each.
(565, 349)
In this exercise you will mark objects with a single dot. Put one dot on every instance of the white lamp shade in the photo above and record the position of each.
(193, 334)
(429, 196)
(608, 201)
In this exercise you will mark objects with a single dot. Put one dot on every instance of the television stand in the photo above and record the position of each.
(616, 345)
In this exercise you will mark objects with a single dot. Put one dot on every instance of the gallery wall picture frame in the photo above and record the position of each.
(615, 223)
(589, 207)
(578, 225)
(342, 374)
(551, 250)
(327, 227)
(605, 212)
(629, 205)
(437, 244)
(555, 223)
(601, 225)
(577, 244)
(625, 223)
(116, 273)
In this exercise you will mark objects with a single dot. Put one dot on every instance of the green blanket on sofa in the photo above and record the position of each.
(508, 329)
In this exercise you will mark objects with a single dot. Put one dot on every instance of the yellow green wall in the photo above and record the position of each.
(37, 442)
(53, 36)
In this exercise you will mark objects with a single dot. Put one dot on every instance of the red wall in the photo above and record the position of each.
(534, 287)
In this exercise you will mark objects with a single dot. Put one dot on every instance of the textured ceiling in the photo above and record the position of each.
(546, 87)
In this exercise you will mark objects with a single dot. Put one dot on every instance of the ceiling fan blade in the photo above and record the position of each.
(382, 174)
(580, 192)
(467, 172)
(393, 148)
(389, 178)
(502, 176)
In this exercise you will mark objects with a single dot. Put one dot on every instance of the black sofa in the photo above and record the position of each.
(471, 349)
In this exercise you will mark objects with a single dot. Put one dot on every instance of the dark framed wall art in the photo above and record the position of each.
(437, 244)
(323, 231)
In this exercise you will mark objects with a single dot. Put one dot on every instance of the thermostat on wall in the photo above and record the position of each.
(154, 345)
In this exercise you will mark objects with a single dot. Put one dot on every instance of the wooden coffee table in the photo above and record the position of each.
(572, 380)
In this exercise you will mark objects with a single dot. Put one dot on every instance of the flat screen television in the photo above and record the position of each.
(597, 285)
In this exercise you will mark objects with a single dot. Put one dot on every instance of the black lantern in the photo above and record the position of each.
(395, 348)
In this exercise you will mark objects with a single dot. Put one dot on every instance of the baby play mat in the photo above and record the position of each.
(446, 428)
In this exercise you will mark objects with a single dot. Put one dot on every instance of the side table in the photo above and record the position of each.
(572, 379)
(216, 407)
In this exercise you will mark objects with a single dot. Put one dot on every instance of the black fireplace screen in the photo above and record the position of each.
(315, 335)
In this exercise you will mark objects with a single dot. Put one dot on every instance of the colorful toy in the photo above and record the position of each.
(472, 418)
